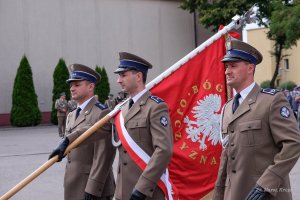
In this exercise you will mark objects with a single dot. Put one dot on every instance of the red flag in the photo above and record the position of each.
(195, 94)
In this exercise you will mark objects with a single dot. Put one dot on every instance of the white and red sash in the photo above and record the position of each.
(139, 156)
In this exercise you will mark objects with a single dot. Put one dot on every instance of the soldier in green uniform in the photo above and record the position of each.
(110, 102)
(72, 105)
(61, 105)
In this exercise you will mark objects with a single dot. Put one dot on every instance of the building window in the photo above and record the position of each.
(286, 64)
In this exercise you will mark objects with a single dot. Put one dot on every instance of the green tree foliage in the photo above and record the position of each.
(25, 110)
(284, 30)
(60, 75)
(287, 85)
(281, 17)
(213, 13)
(102, 88)
(265, 84)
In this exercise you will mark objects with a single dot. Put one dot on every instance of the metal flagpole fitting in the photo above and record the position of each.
(248, 18)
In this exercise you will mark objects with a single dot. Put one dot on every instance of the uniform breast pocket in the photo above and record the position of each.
(250, 133)
(138, 129)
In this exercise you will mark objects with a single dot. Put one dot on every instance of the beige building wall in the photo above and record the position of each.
(91, 32)
(264, 71)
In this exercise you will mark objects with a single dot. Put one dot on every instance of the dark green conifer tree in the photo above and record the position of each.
(25, 110)
(102, 88)
(60, 75)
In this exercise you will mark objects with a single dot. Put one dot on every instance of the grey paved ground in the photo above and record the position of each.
(23, 150)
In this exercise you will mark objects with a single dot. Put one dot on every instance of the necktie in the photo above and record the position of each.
(236, 102)
(131, 102)
(77, 112)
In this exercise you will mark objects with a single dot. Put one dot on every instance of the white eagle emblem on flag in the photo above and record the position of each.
(207, 121)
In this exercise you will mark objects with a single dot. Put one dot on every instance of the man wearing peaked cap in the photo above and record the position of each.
(147, 121)
(88, 173)
(130, 61)
(80, 72)
(259, 134)
(238, 50)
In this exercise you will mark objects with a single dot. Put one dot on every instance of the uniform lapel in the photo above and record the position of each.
(124, 109)
(84, 113)
(136, 107)
(245, 106)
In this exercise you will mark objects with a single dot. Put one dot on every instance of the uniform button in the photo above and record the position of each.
(125, 151)
(232, 157)
(232, 144)
(234, 171)
(69, 161)
(125, 163)
(232, 131)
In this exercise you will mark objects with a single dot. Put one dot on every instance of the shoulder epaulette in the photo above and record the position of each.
(269, 91)
(101, 106)
(156, 99)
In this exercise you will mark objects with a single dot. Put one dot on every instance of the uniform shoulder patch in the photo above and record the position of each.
(101, 106)
(156, 99)
(269, 91)
(163, 121)
(284, 112)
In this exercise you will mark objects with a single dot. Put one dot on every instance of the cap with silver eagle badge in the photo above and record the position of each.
(238, 50)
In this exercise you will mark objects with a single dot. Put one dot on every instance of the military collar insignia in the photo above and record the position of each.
(284, 112)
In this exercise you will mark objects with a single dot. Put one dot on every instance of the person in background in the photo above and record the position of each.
(259, 134)
(72, 105)
(110, 102)
(119, 98)
(288, 96)
(61, 106)
(88, 173)
(297, 99)
(295, 104)
(146, 123)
